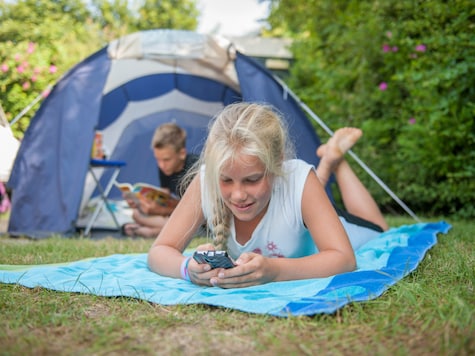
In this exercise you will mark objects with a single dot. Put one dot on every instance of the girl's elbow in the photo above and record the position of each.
(347, 260)
(152, 259)
(351, 262)
(150, 262)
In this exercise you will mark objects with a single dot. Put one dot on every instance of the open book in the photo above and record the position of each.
(147, 191)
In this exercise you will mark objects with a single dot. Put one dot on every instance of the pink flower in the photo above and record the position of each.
(37, 70)
(17, 57)
(53, 68)
(383, 86)
(420, 48)
(395, 49)
(26, 85)
(389, 34)
(4, 67)
(34, 78)
(20, 69)
(411, 121)
(386, 48)
(45, 93)
(31, 47)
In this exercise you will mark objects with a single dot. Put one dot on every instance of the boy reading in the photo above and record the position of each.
(173, 161)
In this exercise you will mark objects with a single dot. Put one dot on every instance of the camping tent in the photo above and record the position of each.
(126, 90)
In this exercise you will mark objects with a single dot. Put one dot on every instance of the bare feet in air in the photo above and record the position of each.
(340, 143)
(332, 152)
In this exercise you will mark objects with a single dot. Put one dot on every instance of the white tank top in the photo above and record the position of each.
(281, 232)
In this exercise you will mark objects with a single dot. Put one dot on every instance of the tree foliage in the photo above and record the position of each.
(403, 70)
(42, 39)
(39, 40)
(120, 17)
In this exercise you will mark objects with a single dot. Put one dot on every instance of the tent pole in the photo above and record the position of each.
(351, 153)
(384, 186)
(29, 106)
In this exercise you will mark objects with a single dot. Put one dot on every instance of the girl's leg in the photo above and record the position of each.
(356, 198)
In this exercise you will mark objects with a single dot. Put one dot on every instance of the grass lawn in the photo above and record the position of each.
(430, 312)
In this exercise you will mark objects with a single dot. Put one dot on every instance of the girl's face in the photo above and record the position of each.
(245, 188)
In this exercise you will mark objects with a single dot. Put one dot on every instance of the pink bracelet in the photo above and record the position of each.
(184, 269)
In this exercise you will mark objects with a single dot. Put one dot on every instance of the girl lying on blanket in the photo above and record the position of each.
(259, 204)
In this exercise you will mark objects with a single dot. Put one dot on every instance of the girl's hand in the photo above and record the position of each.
(201, 274)
(252, 269)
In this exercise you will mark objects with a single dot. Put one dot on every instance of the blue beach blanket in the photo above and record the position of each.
(381, 263)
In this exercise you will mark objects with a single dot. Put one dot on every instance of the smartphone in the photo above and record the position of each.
(216, 259)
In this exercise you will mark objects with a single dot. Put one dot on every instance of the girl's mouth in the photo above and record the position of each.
(242, 207)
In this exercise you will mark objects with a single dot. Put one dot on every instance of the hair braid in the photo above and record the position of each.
(221, 227)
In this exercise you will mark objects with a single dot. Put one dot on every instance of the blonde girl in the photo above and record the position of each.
(268, 210)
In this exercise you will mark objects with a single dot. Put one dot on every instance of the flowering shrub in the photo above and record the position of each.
(26, 71)
(403, 71)
(430, 141)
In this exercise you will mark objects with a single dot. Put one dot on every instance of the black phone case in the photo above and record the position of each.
(216, 259)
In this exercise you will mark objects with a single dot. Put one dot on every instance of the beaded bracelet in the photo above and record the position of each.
(184, 269)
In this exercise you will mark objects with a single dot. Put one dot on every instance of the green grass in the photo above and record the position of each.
(430, 312)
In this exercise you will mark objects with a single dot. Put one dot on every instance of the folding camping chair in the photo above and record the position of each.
(104, 192)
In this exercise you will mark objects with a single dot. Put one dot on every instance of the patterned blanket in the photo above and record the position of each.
(381, 262)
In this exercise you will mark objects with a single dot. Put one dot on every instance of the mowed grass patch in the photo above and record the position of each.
(430, 312)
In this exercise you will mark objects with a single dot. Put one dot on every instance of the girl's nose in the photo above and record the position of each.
(239, 194)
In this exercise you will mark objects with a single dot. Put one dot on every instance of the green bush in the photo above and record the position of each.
(403, 71)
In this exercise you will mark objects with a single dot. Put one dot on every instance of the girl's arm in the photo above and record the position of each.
(335, 252)
(165, 255)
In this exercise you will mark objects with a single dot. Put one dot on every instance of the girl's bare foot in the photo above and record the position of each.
(331, 153)
(340, 143)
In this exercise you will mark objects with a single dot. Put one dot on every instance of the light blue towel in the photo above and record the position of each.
(381, 263)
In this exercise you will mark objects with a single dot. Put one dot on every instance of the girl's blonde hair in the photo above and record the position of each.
(242, 128)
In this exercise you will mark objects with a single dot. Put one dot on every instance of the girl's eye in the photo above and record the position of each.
(250, 180)
(254, 179)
